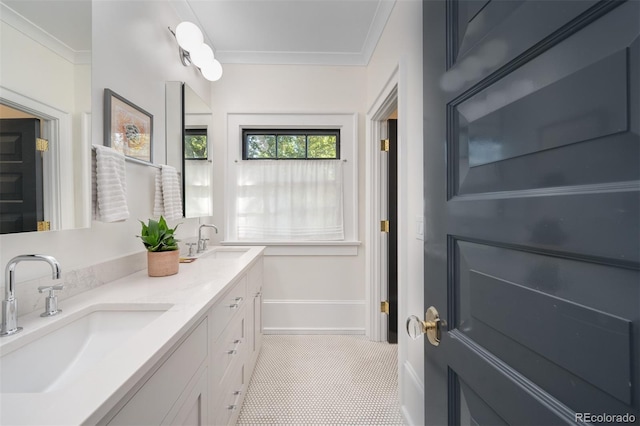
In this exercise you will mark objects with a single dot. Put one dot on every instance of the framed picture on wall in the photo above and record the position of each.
(127, 127)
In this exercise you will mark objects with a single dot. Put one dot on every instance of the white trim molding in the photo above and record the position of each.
(382, 107)
(413, 393)
(31, 30)
(313, 316)
(58, 165)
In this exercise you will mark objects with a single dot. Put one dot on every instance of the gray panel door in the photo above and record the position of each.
(532, 238)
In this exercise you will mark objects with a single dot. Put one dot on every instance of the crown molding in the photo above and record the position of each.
(34, 32)
(361, 58)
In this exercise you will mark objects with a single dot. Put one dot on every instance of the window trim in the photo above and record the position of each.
(347, 123)
(289, 131)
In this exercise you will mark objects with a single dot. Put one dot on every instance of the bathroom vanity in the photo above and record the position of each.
(141, 350)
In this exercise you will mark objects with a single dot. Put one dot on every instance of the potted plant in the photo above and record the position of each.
(163, 254)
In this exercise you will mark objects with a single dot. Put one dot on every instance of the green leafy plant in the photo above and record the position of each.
(157, 236)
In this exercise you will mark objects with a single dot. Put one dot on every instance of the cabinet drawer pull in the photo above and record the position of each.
(239, 299)
(236, 393)
(234, 306)
(235, 349)
(231, 407)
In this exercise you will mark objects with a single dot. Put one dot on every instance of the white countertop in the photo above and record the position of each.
(86, 400)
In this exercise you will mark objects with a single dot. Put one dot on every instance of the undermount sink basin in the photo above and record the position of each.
(225, 252)
(70, 346)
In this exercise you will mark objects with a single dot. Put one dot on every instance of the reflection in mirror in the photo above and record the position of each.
(188, 147)
(45, 103)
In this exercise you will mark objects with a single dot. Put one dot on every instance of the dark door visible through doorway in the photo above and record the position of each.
(392, 213)
(531, 177)
(21, 200)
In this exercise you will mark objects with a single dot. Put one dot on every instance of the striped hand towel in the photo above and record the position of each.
(110, 186)
(168, 201)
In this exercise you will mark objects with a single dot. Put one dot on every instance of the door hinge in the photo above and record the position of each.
(384, 307)
(384, 145)
(44, 225)
(42, 145)
(384, 226)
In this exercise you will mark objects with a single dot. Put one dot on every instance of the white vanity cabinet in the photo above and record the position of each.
(254, 314)
(174, 391)
(203, 379)
(235, 344)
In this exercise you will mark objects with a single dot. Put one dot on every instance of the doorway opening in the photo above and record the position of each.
(382, 256)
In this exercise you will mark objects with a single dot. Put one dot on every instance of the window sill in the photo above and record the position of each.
(302, 248)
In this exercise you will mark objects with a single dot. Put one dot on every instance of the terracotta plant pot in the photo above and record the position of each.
(163, 263)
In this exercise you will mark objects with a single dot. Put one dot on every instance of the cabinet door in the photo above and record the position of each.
(256, 337)
(194, 411)
(154, 401)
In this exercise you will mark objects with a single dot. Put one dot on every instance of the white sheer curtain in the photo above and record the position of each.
(197, 182)
(290, 200)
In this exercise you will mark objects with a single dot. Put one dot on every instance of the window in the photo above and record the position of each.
(195, 144)
(290, 144)
(281, 199)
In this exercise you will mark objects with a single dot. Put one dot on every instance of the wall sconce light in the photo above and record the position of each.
(194, 51)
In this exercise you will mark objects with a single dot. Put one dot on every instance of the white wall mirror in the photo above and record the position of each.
(188, 124)
(45, 93)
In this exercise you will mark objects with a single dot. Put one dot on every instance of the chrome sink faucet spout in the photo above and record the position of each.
(202, 242)
(10, 304)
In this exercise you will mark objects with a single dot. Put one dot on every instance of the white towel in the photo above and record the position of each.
(168, 201)
(109, 186)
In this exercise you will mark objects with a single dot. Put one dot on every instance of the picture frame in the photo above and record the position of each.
(127, 128)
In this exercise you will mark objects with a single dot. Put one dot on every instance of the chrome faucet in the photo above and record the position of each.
(10, 304)
(202, 242)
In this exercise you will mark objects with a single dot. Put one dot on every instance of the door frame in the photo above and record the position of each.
(387, 101)
(58, 166)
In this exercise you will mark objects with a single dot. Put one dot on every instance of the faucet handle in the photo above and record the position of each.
(191, 248)
(204, 243)
(50, 288)
(51, 301)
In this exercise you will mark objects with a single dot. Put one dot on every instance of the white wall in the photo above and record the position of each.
(301, 293)
(401, 47)
(133, 54)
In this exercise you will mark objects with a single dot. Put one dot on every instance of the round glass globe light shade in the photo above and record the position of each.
(189, 36)
(212, 71)
(202, 55)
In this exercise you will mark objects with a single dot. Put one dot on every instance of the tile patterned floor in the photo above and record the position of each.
(323, 380)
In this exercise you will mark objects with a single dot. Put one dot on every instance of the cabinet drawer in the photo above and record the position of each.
(229, 347)
(228, 306)
(229, 403)
(155, 399)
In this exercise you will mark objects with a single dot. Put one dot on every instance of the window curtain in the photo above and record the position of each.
(197, 176)
(290, 200)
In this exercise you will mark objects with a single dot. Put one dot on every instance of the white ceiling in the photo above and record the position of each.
(325, 32)
(319, 32)
(53, 17)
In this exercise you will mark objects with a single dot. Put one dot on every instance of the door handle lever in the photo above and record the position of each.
(430, 326)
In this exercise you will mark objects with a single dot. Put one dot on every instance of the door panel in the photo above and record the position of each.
(532, 256)
(392, 215)
(21, 194)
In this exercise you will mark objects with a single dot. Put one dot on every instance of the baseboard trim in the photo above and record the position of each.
(325, 331)
(412, 399)
(313, 316)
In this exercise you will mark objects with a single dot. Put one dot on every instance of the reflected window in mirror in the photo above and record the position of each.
(195, 144)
